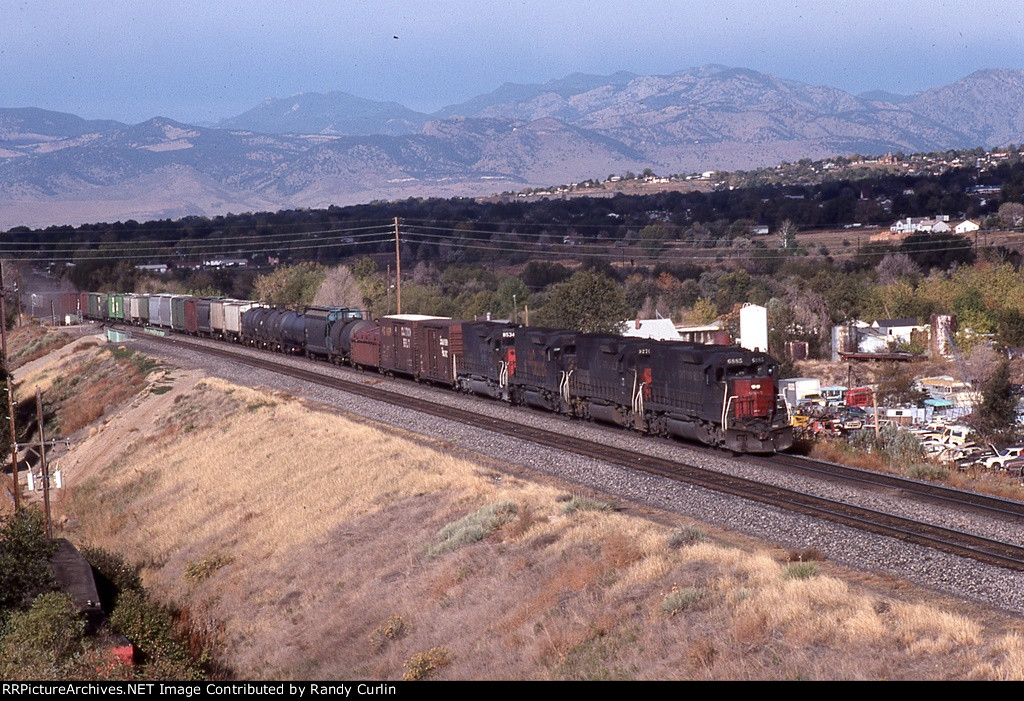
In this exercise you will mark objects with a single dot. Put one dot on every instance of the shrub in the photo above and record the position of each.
(203, 569)
(679, 600)
(581, 503)
(24, 559)
(113, 575)
(160, 651)
(685, 536)
(927, 471)
(474, 527)
(392, 629)
(800, 570)
(43, 642)
(425, 664)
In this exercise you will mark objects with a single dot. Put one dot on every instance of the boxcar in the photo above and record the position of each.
(217, 317)
(440, 346)
(233, 311)
(115, 307)
(192, 316)
(178, 311)
(400, 342)
(203, 316)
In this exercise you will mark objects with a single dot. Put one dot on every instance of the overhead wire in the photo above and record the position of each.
(462, 238)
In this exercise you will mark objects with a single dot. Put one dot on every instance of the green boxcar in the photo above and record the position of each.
(178, 311)
(115, 307)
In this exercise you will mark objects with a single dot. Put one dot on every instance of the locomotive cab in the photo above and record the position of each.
(752, 420)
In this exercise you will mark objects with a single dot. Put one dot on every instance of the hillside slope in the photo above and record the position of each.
(323, 545)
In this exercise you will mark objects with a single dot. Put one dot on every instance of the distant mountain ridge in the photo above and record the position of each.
(312, 150)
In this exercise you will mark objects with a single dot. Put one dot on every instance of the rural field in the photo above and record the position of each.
(313, 544)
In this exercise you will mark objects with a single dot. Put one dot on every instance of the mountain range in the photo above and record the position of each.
(313, 150)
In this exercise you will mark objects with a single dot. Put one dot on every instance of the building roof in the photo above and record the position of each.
(890, 323)
(657, 329)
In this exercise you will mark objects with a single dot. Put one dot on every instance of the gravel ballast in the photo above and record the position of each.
(858, 550)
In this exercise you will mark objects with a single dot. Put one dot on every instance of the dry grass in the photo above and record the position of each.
(306, 534)
(32, 341)
(87, 383)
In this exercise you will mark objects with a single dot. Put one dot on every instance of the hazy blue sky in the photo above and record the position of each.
(200, 61)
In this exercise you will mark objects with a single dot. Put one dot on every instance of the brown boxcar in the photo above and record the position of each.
(440, 348)
(192, 316)
(400, 341)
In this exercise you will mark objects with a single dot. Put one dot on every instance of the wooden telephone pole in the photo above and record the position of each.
(10, 391)
(398, 271)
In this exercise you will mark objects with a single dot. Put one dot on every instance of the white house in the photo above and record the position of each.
(910, 225)
(898, 330)
(966, 227)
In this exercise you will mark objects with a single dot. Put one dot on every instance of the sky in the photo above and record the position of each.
(198, 62)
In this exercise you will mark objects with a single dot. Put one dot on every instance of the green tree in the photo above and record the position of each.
(24, 560)
(589, 301)
(291, 285)
(997, 412)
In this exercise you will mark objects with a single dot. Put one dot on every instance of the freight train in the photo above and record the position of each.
(723, 396)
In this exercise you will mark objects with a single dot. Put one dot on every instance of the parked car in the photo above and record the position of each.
(999, 460)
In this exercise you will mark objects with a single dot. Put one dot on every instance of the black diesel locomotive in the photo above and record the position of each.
(719, 395)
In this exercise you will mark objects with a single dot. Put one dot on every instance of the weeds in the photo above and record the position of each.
(392, 629)
(582, 503)
(205, 568)
(800, 570)
(687, 535)
(423, 665)
(926, 471)
(679, 600)
(474, 527)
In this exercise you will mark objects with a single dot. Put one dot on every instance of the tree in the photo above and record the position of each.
(997, 412)
(291, 286)
(1011, 214)
(24, 560)
(787, 235)
(589, 301)
(340, 289)
(896, 386)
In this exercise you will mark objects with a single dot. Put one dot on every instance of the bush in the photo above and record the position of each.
(800, 570)
(474, 527)
(43, 642)
(927, 471)
(580, 503)
(203, 569)
(425, 664)
(113, 575)
(160, 650)
(679, 600)
(392, 629)
(24, 560)
(685, 536)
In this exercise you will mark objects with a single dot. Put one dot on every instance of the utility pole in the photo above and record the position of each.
(398, 271)
(387, 308)
(10, 392)
(42, 462)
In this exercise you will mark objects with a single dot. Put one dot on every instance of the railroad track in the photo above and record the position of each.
(921, 533)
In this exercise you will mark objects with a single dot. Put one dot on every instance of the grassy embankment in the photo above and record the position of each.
(325, 546)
